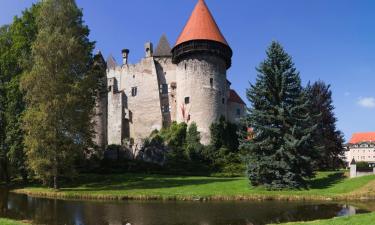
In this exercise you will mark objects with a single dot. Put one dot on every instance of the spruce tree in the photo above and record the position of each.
(280, 153)
(57, 121)
(330, 140)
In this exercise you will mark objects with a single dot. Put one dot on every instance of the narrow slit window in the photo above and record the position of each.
(187, 100)
(134, 91)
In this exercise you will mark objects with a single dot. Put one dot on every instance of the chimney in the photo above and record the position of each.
(149, 49)
(125, 56)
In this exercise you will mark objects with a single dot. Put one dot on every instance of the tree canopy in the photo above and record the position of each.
(57, 120)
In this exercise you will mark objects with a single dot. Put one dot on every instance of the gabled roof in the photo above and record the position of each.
(111, 62)
(163, 49)
(234, 97)
(362, 137)
(201, 26)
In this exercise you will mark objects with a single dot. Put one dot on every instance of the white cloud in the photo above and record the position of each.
(367, 102)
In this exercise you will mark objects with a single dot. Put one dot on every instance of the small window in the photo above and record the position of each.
(164, 88)
(187, 100)
(223, 100)
(238, 112)
(212, 82)
(134, 91)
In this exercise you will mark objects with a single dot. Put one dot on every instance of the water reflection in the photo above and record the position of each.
(59, 212)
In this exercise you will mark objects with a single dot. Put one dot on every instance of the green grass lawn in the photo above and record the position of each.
(327, 185)
(364, 219)
(10, 222)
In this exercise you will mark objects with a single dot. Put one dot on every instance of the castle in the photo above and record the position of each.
(187, 83)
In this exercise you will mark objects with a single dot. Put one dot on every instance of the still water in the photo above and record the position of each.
(61, 212)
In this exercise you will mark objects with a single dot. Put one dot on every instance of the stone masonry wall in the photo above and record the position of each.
(144, 109)
(208, 98)
(100, 120)
(115, 116)
(232, 108)
(166, 71)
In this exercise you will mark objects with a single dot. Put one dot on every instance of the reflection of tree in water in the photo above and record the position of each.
(4, 195)
(312, 212)
(56, 212)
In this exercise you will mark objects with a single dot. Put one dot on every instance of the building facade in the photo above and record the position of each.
(184, 83)
(361, 148)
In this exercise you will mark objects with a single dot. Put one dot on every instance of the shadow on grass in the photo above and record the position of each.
(130, 182)
(328, 181)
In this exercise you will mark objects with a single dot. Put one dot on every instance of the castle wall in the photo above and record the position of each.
(202, 79)
(235, 111)
(143, 110)
(115, 116)
(100, 120)
(166, 71)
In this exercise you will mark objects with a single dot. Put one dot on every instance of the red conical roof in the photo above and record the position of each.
(201, 26)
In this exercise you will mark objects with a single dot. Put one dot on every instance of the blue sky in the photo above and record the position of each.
(333, 40)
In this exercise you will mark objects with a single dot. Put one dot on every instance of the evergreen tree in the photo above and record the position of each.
(57, 121)
(329, 138)
(280, 153)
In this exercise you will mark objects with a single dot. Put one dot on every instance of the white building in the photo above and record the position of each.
(361, 148)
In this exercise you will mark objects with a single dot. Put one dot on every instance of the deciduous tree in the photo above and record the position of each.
(57, 120)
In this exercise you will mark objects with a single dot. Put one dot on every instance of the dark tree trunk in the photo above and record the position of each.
(5, 171)
(55, 182)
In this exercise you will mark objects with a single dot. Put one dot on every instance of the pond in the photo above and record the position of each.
(68, 212)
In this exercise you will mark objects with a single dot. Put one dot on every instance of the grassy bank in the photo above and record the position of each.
(351, 220)
(10, 222)
(326, 186)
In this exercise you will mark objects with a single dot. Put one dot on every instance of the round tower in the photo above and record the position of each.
(202, 56)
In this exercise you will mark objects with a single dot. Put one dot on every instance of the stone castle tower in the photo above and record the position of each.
(202, 57)
(186, 83)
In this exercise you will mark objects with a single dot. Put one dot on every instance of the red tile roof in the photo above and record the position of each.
(362, 137)
(201, 26)
(234, 97)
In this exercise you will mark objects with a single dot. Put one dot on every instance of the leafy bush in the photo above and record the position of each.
(364, 166)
